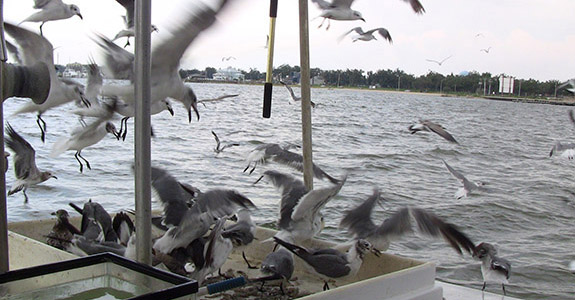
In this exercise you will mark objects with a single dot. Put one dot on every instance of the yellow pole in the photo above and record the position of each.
(305, 95)
(268, 85)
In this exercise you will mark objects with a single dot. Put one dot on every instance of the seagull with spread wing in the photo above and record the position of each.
(292, 94)
(51, 10)
(439, 62)
(468, 186)
(426, 125)
(368, 35)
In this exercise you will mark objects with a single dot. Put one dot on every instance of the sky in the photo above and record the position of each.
(528, 38)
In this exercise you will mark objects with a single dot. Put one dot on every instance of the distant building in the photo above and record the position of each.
(71, 73)
(506, 84)
(317, 80)
(229, 74)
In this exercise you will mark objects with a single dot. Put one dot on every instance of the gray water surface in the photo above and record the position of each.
(528, 215)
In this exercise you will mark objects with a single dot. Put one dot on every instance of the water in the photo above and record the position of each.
(364, 133)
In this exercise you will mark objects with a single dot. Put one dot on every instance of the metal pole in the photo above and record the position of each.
(4, 260)
(142, 151)
(268, 85)
(305, 95)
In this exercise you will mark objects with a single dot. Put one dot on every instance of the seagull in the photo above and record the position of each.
(330, 263)
(426, 125)
(123, 227)
(62, 232)
(493, 268)
(368, 35)
(337, 10)
(359, 223)
(241, 233)
(129, 22)
(35, 48)
(219, 148)
(479, 35)
(467, 187)
(83, 137)
(277, 265)
(439, 62)
(184, 223)
(204, 101)
(293, 96)
(281, 154)
(227, 58)
(568, 150)
(570, 82)
(166, 56)
(51, 10)
(25, 169)
(128, 111)
(96, 212)
(216, 252)
(300, 209)
(486, 50)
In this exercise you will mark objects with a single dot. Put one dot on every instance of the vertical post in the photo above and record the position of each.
(305, 95)
(142, 151)
(4, 260)
(268, 85)
(398, 82)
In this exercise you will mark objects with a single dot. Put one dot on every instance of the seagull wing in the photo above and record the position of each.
(94, 83)
(293, 96)
(209, 256)
(356, 29)
(416, 5)
(41, 3)
(291, 190)
(172, 196)
(439, 130)
(342, 3)
(383, 32)
(24, 154)
(358, 220)
(435, 61)
(322, 4)
(455, 174)
(217, 140)
(220, 203)
(295, 160)
(446, 58)
(502, 265)
(129, 6)
(119, 62)
(312, 202)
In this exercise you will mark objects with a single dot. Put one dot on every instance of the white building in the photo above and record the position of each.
(229, 74)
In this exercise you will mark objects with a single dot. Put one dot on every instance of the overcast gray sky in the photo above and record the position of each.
(528, 38)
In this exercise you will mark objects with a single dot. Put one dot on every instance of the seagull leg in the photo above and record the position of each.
(247, 262)
(321, 24)
(254, 168)
(127, 42)
(282, 287)
(41, 34)
(328, 24)
(125, 120)
(247, 168)
(503, 286)
(42, 126)
(26, 201)
(85, 160)
(325, 286)
(81, 166)
(483, 289)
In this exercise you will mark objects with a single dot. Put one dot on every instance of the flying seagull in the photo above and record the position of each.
(486, 50)
(359, 223)
(219, 148)
(493, 268)
(571, 83)
(51, 10)
(25, 169)
(293, 96)
(441, 61)
(34, 49)
(227, 58)
(129, 22)
(368, 35)
(426, 125)
(468, 186)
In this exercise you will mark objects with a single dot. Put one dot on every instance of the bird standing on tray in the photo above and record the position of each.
(51, 10)
(25, 169)
(62, 232)
(493, 268)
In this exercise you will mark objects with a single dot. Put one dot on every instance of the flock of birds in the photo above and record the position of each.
(201, 228)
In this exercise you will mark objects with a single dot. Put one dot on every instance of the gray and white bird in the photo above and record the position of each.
(217, 251)
(25, 170)
(261, 154)
(166, 56)
(566, 150)
(570, 83)
(493, 268)
(129, 22)
(185, 224)
(62, 232)
(468, 186)
(292, 94)
(277, 265)
(83, 137)
(329, 264)
(242, 232)
(359, 223)
(368, 35)
(439, 62)
(426, 125)
(34, 49)
(300, 209)
(52, 10)
(219, 147)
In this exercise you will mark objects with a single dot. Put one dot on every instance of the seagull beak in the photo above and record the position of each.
(54, 177)
(53, 213)
(171, 110)
(362, 19)
(375, 251)
(80, 15)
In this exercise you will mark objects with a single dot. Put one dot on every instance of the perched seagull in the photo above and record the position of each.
(185, 224)
(219, 148)
(486, 50)
(277, 265)
(329, 263)
(281, 154)
(51, 10)
(368, 35)
(300, 209)
(166, 79)
(293, 96)
(62, 232)
(83, 137)
(129, 22)
(123, 227)
(96, 212)
(359, 223)
(25, 169)
(337, 10)
(216, 252)
(467, 187)
(426, 125)
(441, 61)
(494, 269)
(35, 48)
(242, 233)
